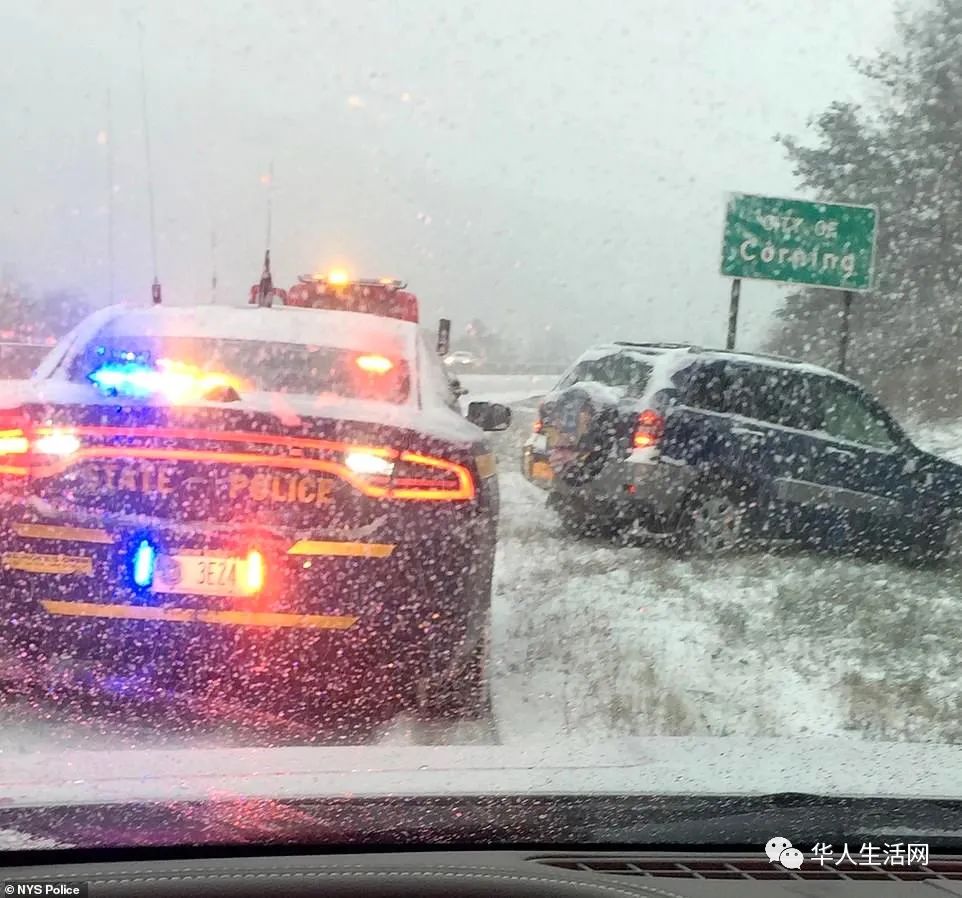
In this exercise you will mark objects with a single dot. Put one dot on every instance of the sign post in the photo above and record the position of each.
(733, 312)
(830, 246)
(843, 336)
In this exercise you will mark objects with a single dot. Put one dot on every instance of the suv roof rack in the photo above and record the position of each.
(759, 355)
(632, 343)
(690, 347)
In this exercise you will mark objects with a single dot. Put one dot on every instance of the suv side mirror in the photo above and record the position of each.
(489, 415)
(911, 465)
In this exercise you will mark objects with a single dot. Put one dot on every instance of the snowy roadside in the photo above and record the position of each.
(595, 639)
(12, 840)
(942, 439)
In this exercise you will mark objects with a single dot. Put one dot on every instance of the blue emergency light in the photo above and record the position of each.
(125, 378)
(145, 560)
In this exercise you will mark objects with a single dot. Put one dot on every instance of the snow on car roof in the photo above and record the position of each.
(282, 324)
(772, 361)
(671, 354)
(648, 352)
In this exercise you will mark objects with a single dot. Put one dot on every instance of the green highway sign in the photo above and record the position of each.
(799, 242)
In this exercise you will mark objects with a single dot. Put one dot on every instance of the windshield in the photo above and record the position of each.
(541, 399)
(255, 365)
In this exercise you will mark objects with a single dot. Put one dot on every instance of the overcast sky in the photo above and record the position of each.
(522, 161)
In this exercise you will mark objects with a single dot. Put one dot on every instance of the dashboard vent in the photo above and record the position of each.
(748, 868)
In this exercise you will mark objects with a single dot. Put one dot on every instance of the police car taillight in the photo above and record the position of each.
(389, 474)
(14, 435)
(57, 443)
(24, 446)
(649, 429)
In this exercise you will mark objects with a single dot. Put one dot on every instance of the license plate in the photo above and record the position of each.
(538, 442)
(204, 575)
(542, 471)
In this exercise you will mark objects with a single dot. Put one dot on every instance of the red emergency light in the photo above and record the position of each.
(384, 297)
(274, 293)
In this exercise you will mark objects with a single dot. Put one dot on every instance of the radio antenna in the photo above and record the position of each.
(155, 290)
(265, 290)
(211, 191)
(110, 195)
(213, 265)
(270, 203)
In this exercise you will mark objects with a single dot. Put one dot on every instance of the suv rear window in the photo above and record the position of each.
(620, 370)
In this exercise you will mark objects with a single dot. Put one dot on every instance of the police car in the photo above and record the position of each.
(279, 495)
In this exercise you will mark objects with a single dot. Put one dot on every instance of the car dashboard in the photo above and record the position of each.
(477, 873)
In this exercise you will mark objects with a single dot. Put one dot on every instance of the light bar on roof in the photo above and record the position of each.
(372, 297)
(338, 279)
(176, 381)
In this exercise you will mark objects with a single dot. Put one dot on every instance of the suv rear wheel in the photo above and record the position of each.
(578, 520)
(714, 524)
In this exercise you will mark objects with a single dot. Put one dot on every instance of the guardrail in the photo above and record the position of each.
(515, 368)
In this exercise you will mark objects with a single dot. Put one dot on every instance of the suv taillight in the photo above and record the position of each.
(648, 429)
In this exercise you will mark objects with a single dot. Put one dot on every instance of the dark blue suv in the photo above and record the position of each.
(711, 448)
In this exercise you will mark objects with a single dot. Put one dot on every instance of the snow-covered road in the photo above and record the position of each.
(598, 638)
(593, 639)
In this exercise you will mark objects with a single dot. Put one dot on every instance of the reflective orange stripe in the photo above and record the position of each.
(271, 619)
(326, 547)
(49, 531)
(34, 563)
(182, 433)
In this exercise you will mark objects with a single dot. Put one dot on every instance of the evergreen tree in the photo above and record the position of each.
(903, 153)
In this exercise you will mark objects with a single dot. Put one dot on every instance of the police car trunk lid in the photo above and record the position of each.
(218, 464)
